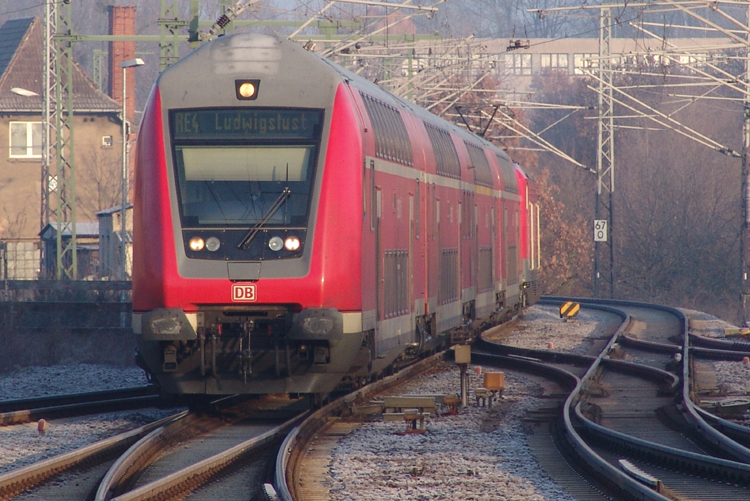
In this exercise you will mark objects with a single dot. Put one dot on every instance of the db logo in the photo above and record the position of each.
(243, 292)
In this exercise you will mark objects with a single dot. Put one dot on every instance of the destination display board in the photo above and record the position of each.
(246, 123)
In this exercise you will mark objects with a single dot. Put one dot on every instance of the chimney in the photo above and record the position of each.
(122, 22)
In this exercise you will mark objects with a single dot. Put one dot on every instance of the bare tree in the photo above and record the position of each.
(98, 180)
(679, 217)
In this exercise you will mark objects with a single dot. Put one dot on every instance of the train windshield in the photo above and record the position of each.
(233, 165)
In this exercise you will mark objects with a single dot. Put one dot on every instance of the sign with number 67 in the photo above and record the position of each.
(600, 230)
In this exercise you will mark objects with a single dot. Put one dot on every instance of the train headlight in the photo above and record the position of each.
(247, 89)
(292, 243)
(196, 244)
(213, 244)
(275, 244)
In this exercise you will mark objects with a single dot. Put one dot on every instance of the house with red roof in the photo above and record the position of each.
(97, 148)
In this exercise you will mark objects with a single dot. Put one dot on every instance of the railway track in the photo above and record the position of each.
(622, 425)
(77, 404)
(633, 422)
(233, 439)
(175, 461)
(83, 466)
(314, 434)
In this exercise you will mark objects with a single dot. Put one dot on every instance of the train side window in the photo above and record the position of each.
(482, 173)
(446, 156)
(509, 174)
(416, 215)
(537, 225)
(475, 222)
(373, 202)
(532, 236)
(364, 190)
(379, 204)
(435, 211)
(411, 217)
(391, 137)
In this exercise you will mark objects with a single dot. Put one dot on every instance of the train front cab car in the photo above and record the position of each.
(310, 229)
(246, 260)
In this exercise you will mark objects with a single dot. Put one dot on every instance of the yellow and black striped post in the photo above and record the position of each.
(569, 310)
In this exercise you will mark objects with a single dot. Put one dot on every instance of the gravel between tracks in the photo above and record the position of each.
(21, 445)
(731, 377)
(479, 454)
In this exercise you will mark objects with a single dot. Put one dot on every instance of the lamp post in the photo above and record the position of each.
(132, 63)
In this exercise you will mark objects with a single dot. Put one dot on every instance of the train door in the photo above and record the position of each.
(438, 271)
(378, 260)
(493, 246)
(504, 241)
(410, 266)
(475, 243)
(427, 246)
(460, 263)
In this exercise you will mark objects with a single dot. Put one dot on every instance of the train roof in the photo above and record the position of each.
(413, 108)
(228, 57)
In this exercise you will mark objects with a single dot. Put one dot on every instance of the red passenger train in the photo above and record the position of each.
(297, 228)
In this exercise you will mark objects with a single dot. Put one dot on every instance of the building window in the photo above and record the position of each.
(555, 62)
(584, 61)
(694, 60)
(519, 64)
(25, 139)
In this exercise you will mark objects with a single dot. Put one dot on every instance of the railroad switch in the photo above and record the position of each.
(412, 409)
(415, 420)
(453, 403)
(484, 397)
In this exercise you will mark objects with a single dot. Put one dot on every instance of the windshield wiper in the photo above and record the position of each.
(245, 243)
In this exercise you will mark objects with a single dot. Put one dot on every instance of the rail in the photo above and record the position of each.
(16, 481)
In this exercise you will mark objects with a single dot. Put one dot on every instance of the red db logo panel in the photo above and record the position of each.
(243, 292)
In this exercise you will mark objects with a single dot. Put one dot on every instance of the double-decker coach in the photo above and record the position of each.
(297, 228)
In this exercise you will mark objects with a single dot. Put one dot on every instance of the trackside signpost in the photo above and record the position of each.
(600, 230)
(569, 310)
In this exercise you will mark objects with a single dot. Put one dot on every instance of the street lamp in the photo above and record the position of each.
(132, 63)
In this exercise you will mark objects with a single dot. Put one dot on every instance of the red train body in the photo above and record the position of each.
(297, 228)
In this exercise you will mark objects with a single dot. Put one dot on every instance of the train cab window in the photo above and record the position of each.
(232, 165)
(249, 180)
